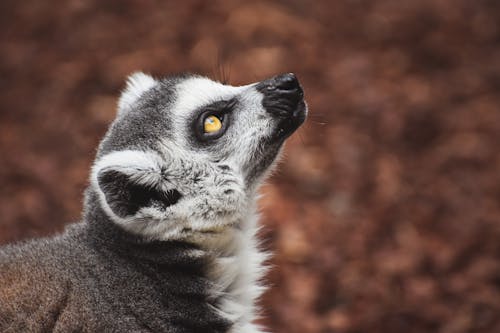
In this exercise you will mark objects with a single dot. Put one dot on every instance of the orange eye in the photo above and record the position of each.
(212, 124)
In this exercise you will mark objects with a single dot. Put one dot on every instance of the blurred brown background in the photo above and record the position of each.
(385, 215)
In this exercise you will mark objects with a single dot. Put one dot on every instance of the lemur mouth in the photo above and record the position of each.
(288, 125)
(284, 100)
(210, 231)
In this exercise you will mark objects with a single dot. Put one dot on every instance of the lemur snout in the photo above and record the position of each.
(284, 99)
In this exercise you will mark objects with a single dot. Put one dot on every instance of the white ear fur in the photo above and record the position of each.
(137, 84)
(139, 165)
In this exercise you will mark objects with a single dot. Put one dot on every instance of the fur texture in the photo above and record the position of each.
(167, 241)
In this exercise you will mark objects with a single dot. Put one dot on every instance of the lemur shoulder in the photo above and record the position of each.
(167, 241)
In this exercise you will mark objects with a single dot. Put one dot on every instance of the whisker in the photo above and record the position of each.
(318, 122)
(317, 119)
(224, 71)
(229, 70)
(301, 138)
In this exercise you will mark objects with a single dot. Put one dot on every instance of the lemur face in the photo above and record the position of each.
(185, 154)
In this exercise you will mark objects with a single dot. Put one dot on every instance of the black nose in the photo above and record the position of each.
(284, 100)
(286, 84)
(286, 81)
(282, 94)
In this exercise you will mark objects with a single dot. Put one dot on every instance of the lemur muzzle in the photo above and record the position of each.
(284, 99)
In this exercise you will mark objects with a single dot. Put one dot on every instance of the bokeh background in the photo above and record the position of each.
(385, 214)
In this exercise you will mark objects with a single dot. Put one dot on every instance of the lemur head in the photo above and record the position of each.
(185, 154)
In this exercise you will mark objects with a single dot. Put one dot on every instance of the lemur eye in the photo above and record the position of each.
(213, 120)
(212, 124)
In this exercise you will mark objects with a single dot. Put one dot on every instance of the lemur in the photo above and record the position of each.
(167, 241)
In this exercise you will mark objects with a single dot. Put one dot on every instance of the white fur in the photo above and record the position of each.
(198, 91)
(137, 84)
(238, 271)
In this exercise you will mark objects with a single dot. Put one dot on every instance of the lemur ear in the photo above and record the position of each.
(137, 84)
(129, 181)
(125, 197)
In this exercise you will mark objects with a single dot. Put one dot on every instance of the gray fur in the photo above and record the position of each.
(167, 238)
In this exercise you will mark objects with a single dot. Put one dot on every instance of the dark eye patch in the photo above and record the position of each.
(220, 109)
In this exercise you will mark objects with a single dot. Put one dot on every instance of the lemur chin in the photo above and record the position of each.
(167, 242)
